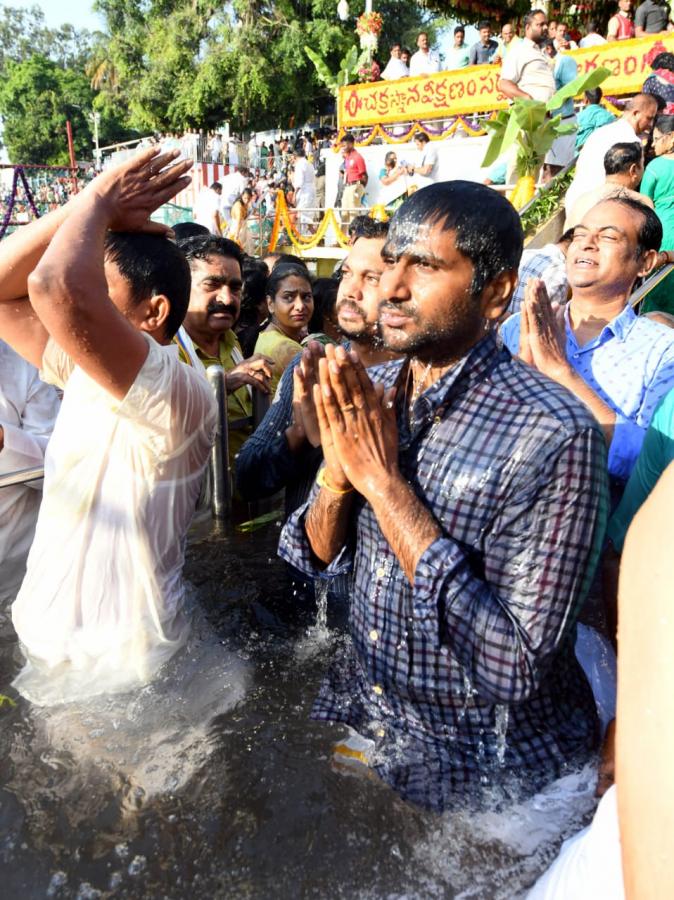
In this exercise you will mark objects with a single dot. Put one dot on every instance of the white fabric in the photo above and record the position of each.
(304, 182)
(530, 69)
(424, 63)
(28, 410)
(590, 164)
(233, 185)
(101, 606)
(395, 68)
(592, 40)
(207, 205)
(588, 866)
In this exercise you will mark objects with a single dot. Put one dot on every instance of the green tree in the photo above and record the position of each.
(37, 96)
(192, 63)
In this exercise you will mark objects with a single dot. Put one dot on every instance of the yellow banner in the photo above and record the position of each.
(472, 90)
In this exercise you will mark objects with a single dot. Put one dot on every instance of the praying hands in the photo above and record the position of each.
(357, 424)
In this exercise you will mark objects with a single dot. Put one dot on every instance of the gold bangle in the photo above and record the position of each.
(322, 481)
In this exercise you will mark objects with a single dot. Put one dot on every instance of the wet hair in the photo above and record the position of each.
(325, 297)
(649, 236)
(390, 158)
(280, 273)
(184, 230)
(152, 265)
(663, 61)
(484, 23)
(620, 157)
(487, 228)
(665, 124)
(210, 245)
(367, 227)
(594, 95)
(530, 16)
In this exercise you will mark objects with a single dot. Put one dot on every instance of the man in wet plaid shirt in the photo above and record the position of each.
(469, 507)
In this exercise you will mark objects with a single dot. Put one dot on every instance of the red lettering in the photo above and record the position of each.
(471, 85)
(630, 65)
(591, 62)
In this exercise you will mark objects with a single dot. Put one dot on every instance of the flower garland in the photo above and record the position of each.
(282, 221)
(369, 23)
(433, 134)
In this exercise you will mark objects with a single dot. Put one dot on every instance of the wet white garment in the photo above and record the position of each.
(101, 606)
(589, 865)
(205, 209)
(28, 410)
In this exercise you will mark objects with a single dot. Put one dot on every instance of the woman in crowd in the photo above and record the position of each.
(392, 177)
(238, 226)
(290, 303)
(322, 326)
(661, 82)
(658, 184)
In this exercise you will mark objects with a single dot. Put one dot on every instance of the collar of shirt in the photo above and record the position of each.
(474, 367)
(619, 328)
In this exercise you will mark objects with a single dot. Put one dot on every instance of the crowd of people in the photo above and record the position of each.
(465, 434)
(650, 17)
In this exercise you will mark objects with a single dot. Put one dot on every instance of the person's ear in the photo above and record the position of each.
(496, 295)
(649, 261)
(270, 305)
(156, 313)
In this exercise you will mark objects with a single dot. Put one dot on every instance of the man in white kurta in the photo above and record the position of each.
(102, 606)
(304, 183)
(28, 410)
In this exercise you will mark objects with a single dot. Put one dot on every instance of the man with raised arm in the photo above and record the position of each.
(466, 495)
(101, 606)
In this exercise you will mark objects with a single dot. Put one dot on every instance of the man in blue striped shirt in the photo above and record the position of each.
(620, 365)
(467, 500)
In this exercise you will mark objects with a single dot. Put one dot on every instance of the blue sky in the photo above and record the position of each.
(77, 12)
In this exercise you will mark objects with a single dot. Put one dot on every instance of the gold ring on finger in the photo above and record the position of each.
(347, 407)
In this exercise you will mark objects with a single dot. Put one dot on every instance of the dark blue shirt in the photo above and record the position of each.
(475, 661)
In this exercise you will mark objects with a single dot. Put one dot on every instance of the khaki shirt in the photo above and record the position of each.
(529, 68)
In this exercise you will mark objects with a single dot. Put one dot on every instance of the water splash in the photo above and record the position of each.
(501, 716)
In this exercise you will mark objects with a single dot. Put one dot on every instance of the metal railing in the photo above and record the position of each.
(652, 281)
(220, 474)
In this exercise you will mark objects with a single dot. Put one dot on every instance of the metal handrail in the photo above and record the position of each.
(220, 473)
(648, 285)
(22, 476)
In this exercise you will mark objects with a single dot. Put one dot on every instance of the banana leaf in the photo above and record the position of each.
(322, 69)
(503, 138)
(584, 82)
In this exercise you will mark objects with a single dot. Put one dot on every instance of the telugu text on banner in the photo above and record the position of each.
(473, 90)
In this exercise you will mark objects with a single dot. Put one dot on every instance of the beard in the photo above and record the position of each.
(441, 342)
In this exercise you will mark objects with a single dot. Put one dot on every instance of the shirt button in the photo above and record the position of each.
(378, 689)
(374, 634)
(380, 572)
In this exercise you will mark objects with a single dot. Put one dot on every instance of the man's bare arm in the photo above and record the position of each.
(510, 89)
(19, 255)
(327, 524)
(645, 732)
(68, 289)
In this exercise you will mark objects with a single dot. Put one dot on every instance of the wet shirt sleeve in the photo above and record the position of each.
(294, 546)
(265, 463)
(504, 624)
